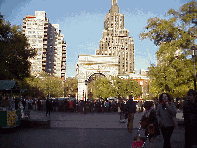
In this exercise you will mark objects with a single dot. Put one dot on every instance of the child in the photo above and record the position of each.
(137, 143)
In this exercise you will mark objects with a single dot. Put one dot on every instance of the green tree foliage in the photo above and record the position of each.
(103, 88)
(117, 87)
(43, 86)
(70, 87)
(51, 85)
(174, 35)
(14, 52)
(126, 87)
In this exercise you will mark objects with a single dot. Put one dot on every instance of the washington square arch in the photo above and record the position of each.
(89, 65)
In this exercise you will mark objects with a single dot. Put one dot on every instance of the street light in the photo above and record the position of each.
(193, 57)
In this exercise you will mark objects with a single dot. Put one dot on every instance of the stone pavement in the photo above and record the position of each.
(89, 120)
(106, 121)
(83, 130)
(79, 138)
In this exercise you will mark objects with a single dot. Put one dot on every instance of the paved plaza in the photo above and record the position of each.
(78, 130)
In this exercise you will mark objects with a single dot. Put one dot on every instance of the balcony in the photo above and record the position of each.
(44, 55)
(63, 67)
(45, 42)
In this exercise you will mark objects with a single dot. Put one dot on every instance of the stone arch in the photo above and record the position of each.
(89, 65)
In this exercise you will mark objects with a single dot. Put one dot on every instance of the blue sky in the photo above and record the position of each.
(82, 23)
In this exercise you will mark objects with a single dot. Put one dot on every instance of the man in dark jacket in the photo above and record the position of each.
(131, 109)
(190, 119)
(48, 107)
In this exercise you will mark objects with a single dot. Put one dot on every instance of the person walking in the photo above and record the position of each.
(122, 112)
(131, 109)
(107, 106)
(24, 104)
(48, 107)
(166, 110)
(190, 119)
(151, 125)
(71, 105)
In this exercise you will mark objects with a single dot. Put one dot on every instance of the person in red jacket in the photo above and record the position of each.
(137, 143)
(71, 105)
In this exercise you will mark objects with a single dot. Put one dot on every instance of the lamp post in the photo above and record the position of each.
(193, 57)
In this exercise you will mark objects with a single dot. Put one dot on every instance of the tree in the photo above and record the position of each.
(103, 88)
(43, 86)
(174, 35)
(51, 85)
(126, 87)
(71, 87)
(14, 52)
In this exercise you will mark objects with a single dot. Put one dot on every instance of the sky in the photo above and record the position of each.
(82, 23)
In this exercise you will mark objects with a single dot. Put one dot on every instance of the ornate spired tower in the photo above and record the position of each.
(116, 41)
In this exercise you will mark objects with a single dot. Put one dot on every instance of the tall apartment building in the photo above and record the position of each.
(116, 41)
(56, 52)
(49, 43)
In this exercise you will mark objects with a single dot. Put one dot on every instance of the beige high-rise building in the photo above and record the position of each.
(116, 41)
(56, 52)
(49, 43)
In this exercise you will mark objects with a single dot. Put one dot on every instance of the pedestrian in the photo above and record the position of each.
(48, 106)
(110, 105)
(190, 119)
(139, 104)
(24, 104)
(56, 105)
(99, 106)
(53, 104)
(137, 142)
(71, 105)
(131, 109)
(166, 110)
(74, 106)
(113, 105)
(122, 112)
(91, 106)
(107, 106)
(151, 125)
(33, 104)
(156, 103)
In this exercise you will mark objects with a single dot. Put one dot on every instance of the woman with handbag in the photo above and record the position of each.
(166, 112)
(149, 121)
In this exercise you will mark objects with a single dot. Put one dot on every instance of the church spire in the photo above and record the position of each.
(113, 2)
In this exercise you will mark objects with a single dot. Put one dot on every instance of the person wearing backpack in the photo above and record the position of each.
(131, 110)
(149, 121)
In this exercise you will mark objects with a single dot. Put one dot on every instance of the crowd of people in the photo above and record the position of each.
(159, 115)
